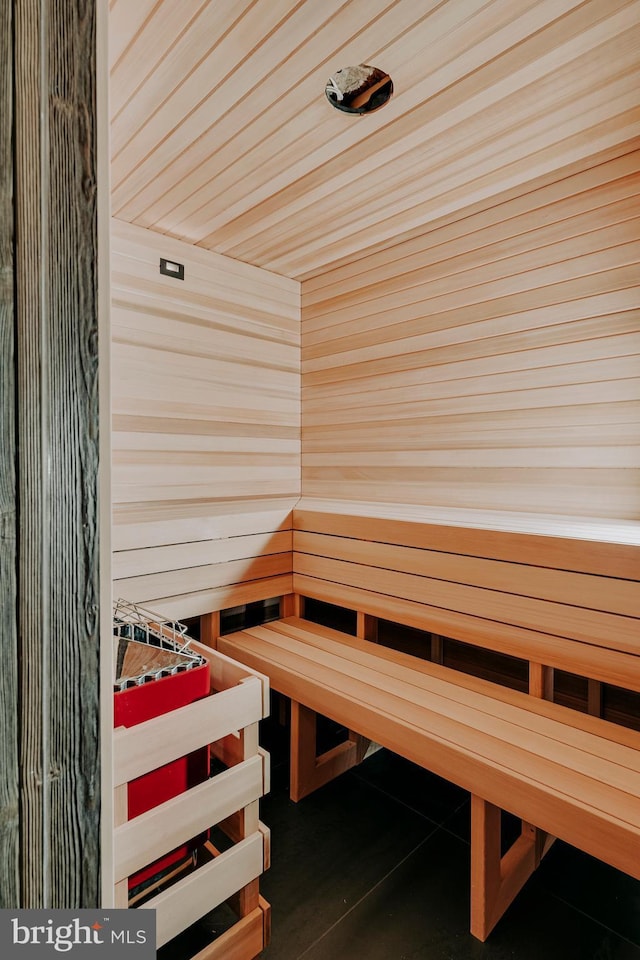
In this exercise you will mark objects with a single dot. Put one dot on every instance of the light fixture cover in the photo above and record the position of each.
(360, 89)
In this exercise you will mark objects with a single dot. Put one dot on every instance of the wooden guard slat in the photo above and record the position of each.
(155, 742)
(191, 898)
(145, 838)
(244, 940)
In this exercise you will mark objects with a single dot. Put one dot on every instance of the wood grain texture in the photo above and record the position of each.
(206, 447)
(548, 585)
(556, 542)
(489, 363)
(57, 364)
(189, 899)
(33, 588)
(9, 770)
(619, 669)
(562, 596)
(108, 797)
(227, 720)
(176, 821)
(545, 765)
(152, 743)
(222, 135)
(73, 452)
(579, 623)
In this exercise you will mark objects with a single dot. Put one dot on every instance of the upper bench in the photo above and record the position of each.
(558, 591)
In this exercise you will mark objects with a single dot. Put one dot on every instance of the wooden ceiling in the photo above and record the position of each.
(222, 135)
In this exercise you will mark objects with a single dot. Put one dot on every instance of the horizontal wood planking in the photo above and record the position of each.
(222, 136)
(474, 699)
(194, 604)
(152, 743)
(123, 21)
(392, 711)
(531, 214)
(182, 904)
(179, 556)
(503, 697)
(587, 545)
(143, 525)
(208, 576)
(206, 448)
(553, 591)
(142, 840)
(611, 666)
(510, 489)
(558, 586)
(585, 625)
(396, 210)
(490, 363)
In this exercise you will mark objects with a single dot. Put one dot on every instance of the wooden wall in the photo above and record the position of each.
(206, 407)
(50, 773)
(9, 764)
(490, 362)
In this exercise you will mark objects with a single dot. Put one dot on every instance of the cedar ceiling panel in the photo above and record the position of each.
(222, 135)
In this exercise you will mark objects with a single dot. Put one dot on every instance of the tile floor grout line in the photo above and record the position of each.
(355, 905)
(583, 913)
(454, 813)
(419, 813)
(403, 803)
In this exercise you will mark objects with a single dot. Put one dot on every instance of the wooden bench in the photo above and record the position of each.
(554, 599)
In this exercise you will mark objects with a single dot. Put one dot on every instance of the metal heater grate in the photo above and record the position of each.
(148, 647)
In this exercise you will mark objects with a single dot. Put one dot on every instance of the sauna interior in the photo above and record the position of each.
(375, 442)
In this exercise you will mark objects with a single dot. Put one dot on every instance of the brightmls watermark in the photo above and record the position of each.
(81, 934)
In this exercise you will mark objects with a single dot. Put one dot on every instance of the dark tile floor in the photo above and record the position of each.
(376, 866)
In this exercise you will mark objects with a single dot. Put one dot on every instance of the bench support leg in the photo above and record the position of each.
(291, 605)
(541, 681)
(497, 879)
(308, 771)
(367, 627)
(594, 703)
(210, 629)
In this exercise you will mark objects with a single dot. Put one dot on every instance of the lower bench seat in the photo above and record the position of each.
(563, 773)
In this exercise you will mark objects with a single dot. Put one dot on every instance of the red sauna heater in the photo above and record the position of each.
(155, 672)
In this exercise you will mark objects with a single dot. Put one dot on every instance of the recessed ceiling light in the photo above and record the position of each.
(360, 89)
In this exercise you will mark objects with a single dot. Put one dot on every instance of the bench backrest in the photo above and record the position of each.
(566, 596)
